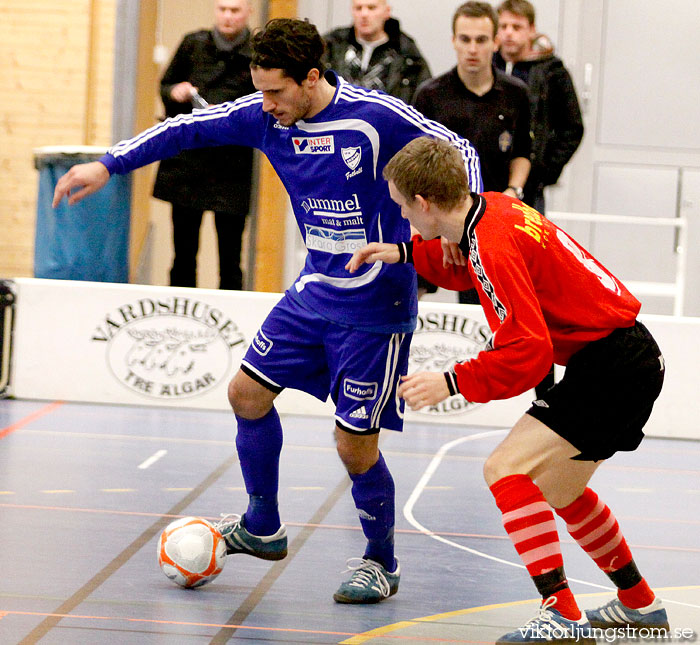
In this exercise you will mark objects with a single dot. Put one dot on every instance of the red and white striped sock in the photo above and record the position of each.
(591, 523)
(530, 524)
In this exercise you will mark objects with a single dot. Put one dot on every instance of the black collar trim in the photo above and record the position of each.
(476, 212)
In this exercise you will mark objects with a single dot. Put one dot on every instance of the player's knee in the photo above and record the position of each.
(235, 397)
(357, 456)
(244, 401)
(497, 466)
(356, 464)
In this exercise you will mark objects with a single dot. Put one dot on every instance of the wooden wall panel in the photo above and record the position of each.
(146, 91)
(272, 203)
(50, 53)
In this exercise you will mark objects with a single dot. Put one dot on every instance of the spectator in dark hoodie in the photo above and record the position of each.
(375, 53)
(556, 123)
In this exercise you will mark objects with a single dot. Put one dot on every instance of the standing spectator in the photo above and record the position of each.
(214, 64)
(557, 126)
(375, 53)
(482, 104)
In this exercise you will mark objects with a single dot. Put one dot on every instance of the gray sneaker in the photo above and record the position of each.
(549, 626)
(615, 614)
(239, 540)
(370, 582)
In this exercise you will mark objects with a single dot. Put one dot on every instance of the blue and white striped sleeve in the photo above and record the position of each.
(237, 123)
(412, 124)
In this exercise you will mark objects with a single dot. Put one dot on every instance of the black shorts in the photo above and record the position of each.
(606, 395)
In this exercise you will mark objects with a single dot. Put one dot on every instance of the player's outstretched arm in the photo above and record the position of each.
(87, 177)
(374, 252)
(423, 388)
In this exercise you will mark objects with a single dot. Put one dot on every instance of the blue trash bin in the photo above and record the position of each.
(86, 241)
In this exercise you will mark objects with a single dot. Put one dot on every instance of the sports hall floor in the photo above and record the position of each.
(86, 489)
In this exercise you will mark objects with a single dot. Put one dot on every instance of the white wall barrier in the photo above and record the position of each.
(162, 346)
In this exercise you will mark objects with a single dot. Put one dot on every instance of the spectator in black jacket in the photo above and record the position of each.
(483, 105)
(557, 126)
(209, 66)
(375, 53)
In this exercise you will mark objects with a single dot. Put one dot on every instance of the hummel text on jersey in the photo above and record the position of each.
(323, 206)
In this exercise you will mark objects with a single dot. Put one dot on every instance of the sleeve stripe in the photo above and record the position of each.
(221, 111)
(451, 379)
(402, 252)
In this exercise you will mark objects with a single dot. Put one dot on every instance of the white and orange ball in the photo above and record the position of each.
(191, 551)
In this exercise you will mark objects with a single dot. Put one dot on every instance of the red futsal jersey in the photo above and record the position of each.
(544, 295)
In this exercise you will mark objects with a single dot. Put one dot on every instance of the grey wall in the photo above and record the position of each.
(634, 64)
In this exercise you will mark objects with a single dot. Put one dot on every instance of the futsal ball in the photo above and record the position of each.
(191, 551)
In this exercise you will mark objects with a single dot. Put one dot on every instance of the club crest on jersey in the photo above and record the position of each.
(351, 156)
(359, 391)
(314, 145)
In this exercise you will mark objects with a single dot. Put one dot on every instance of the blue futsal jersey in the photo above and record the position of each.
(331, 165)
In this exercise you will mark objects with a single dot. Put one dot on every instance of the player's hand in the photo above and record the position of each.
(182, 92)
(373, 252)
(87, 177)
(451, 253)
(423, 388)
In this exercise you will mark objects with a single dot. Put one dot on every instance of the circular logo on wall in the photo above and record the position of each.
(170, 348)
(440, 341)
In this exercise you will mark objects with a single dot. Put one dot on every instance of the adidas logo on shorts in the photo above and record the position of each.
(360, 413)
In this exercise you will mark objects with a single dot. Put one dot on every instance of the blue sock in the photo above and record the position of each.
(259, 444)
(373, 493)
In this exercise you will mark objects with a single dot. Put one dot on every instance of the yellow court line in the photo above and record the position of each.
(387, 629)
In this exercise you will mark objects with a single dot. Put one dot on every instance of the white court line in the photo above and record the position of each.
(152, 459)
(422, 483)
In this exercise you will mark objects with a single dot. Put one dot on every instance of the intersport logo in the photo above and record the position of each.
(314, 145)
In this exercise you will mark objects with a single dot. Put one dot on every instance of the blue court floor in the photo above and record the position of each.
(85, 491)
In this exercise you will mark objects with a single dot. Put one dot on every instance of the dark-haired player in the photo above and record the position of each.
(328, 141)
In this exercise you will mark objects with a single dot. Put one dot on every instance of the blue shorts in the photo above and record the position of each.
(296, 348)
